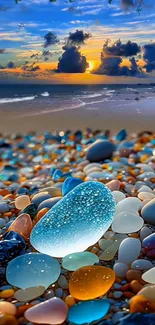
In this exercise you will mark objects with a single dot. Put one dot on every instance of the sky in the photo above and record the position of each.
(81, 42)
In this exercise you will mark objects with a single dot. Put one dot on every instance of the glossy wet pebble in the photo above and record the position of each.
(149, 276)
(23, 225)
(28, 294)
(75, 261)
(148, 292)
(69, 184)
(129, 250)
(80, 218)
(53, 311)
(90, 282)
(22, 201)
(131, 204)
(49, 203)
(141, 264)
(32, 270)
(7, 308)
(100, 150)
(127, 222)
(148, 212)
(80, 313)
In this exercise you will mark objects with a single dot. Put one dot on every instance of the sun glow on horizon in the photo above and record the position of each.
(91, 66)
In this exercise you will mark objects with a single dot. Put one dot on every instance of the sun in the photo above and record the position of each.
(91, 66)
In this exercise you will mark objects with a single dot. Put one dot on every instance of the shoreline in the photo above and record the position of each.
(132, 115)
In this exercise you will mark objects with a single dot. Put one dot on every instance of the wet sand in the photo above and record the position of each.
(133, 115)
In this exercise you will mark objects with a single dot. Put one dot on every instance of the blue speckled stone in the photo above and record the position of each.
(69, 184)
(89, 311)
(138, 319)
(11, 246)
(76, 222)
(75, 261)
(32, 270)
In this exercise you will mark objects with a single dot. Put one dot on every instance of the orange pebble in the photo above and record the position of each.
(70, 301)
(7, 214)
(136, 286)
(133, 275)
(128, 294)
(41, 213)
(21, 310)
(6, 319)
(140, 304)
(4, 192)
(7, 293)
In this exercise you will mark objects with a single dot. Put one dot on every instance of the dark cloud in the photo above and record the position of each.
(35, 56)
(120, 49)
(72, 61)
(128, 4)
(111, 66)
(10, 65)
(2, 51)
(46, 53)
(149, 56)
(30, 67)
(78, 37)
(50, 39)
(34, 68)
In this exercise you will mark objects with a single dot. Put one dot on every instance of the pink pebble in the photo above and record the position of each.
(114, 185)
(52, 311)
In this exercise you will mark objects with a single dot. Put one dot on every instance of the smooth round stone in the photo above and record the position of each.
(49, 203)
(94, 169)
(146, 196)
(2, 222)
(119, 196)
(53, 311)
(4, 207)
(62, 282)
(40, 197)
(90, 282)
(110, 252)
(108, 235)
(120, 269)
(144, 188)
(145, 231)
(104, 243)
(147, 212)
(127, 222)
(131, 204)
(114, 185)
(129, 250)
(69, 184)
(7, 308)
(148, 292)
(31, 270)
(28, 294)
(53, 191)
(23, 225)
(76, 222)
(141, 264)
(75, 261)
(80, 313)
(100, 150)
(88, 167)
(100, 175)
(21, 202)
(149, 242)
(149, 276)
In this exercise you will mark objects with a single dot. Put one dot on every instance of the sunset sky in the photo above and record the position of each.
(34, 34)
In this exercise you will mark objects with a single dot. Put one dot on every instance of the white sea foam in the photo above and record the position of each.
(45, 94)
(15, 100)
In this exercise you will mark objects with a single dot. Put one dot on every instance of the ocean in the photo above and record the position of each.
(88, 105)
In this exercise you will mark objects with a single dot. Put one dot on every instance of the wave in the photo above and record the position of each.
(15, 100)
(89, 96)
(45, 94)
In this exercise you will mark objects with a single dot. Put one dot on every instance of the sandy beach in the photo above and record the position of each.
(132, 115)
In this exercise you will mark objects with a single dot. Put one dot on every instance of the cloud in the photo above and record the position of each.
(46, 53)
(2, 51)
(149, 56)
(78, 37)
(72, 61)
(50, 39)
(119, 49)
(30, 67)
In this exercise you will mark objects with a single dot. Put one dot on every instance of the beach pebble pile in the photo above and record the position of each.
(77, 228)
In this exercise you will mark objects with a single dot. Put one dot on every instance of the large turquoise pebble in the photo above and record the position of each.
(69, 184)
(76, 222)
(32, 270)
(89, 311)
(75, 261)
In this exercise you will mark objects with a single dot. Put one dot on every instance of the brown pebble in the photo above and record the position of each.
(128, 294)
(136, 286)
(133, 275)
(126, 287)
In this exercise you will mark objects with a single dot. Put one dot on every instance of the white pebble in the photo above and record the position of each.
(119, 196)
(127, 222)
(131, 204)
(144, 188)
(149, 276)
(146, 196)
(129, 250)
(148, 291)
(120, 269)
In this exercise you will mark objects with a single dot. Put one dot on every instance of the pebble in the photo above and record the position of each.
(91, 282)
(53, 311)
(129, 250)
(100, 150)
(42, 269)
(74, 261)
(148, 212)
(145, 231)
(22, 201)
(40, 197)
(23, 225)
(80, 313)
(4, 207)
(141, 264)
(49, 203)
(119, 196)
(53, 235)
(148, 292)
(127, 222)
(149, 276)
(130, 204)
(28, 294)
(120, 269)
(7, 308)
(69, 184)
